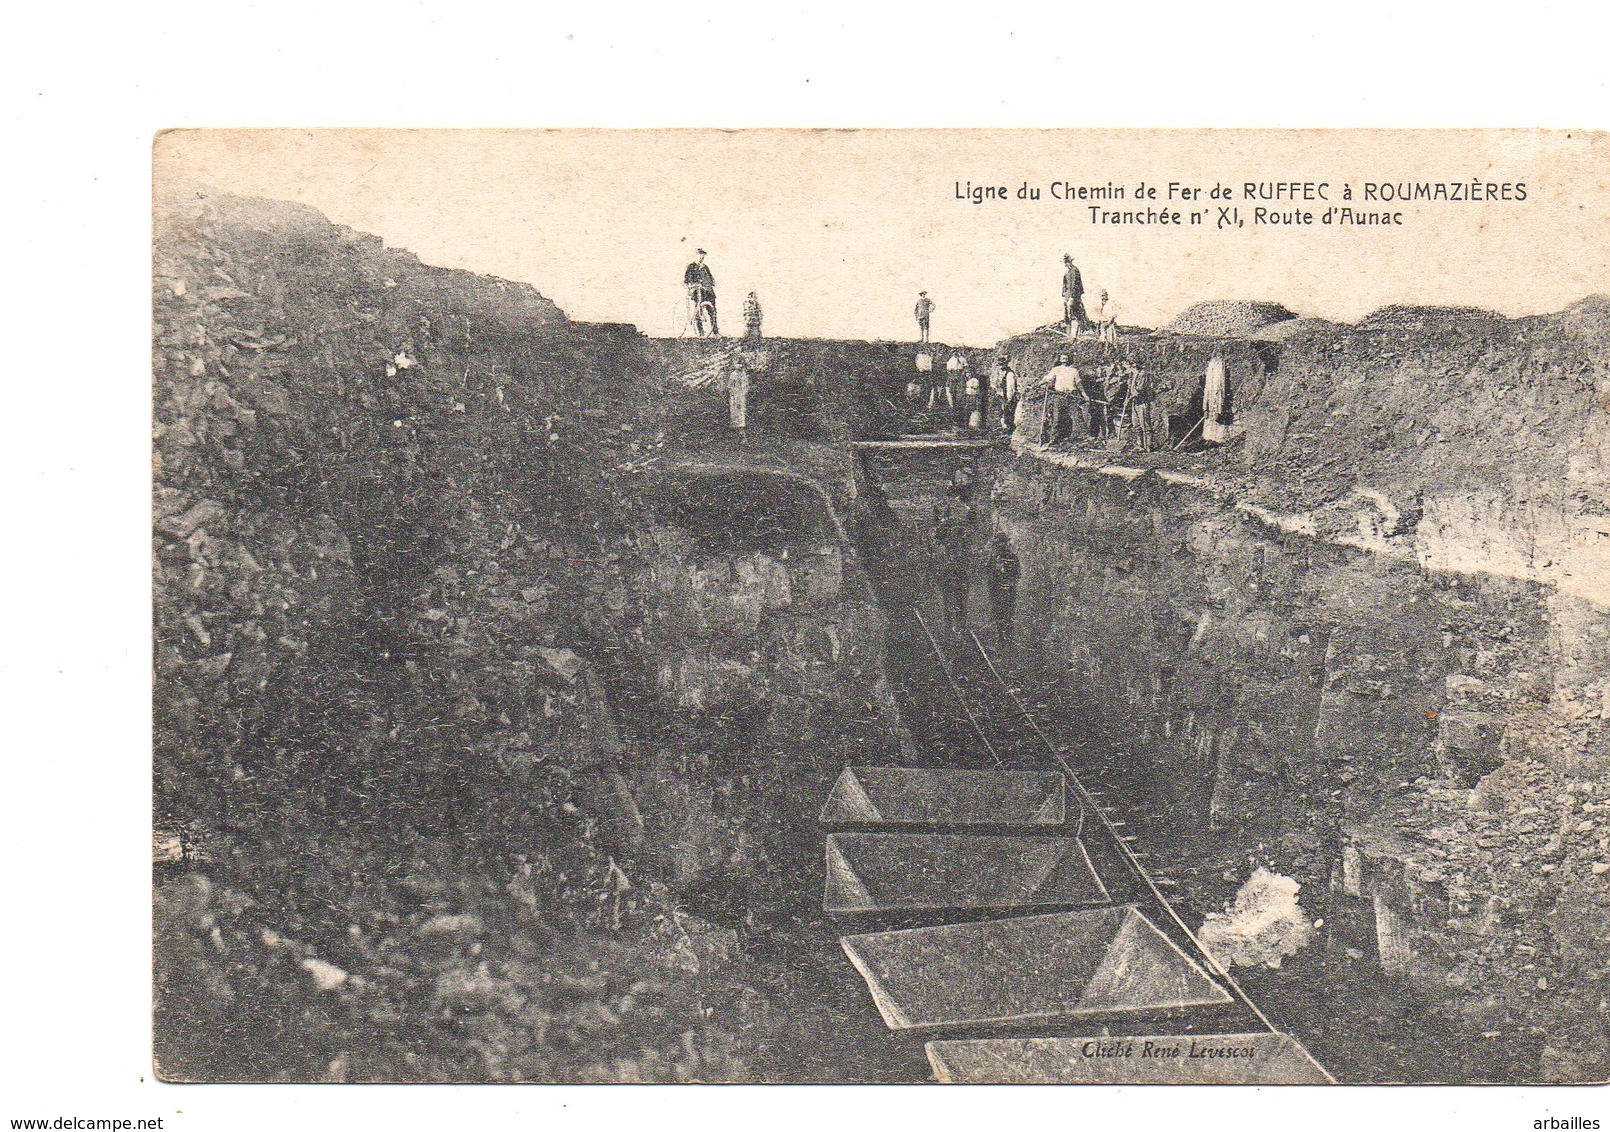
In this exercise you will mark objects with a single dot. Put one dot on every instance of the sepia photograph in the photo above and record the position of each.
(880, 606)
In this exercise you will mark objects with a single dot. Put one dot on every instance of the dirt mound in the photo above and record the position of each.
(1428, 320)
(1227, 319)
(1431, 402)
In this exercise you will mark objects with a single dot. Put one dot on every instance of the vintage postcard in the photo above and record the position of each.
(881, 606)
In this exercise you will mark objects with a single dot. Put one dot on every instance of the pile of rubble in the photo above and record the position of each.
(1223, 318)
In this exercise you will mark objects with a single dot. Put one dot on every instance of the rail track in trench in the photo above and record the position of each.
(1034, 945)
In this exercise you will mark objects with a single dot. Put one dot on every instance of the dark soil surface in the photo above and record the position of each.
(414, 618)
(488, 746)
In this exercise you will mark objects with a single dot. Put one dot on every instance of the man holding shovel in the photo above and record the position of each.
(1062, 382)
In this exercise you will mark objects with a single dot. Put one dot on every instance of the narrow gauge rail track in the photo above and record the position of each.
(1009, 734)
(1095, 825)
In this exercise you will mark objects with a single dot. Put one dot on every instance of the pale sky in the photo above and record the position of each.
(837, 230)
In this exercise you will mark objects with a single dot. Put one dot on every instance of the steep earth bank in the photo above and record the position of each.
(1403, 742)
(1362, 644)
(458, 714)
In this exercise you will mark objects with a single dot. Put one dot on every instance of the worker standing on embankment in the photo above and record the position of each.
(917, 381)
(938, 391)
(1003, 387)
(1093, 392)
(701, 285)
(752, 316)
(1142, 395)
(1073, 297)
(739, 370)
(738, 396)
(1106, 320)
(956, 373)
(1115, 394)
(1062, 383)
(924, 312)
(975, 393)
(1216, 401)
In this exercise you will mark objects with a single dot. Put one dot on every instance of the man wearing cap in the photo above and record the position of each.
(925, 310)
(1106, 320)
(1003, 386)
(1073, 297)
(701, 285)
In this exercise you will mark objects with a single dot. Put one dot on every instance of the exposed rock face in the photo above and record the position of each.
(1489, 435)
(1423, 750)
(411, 612)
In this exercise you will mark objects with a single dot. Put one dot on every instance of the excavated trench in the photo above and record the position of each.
(1422, 751)
(1250, 694)
(763, 608)
(1245, 698)
(833, 1031)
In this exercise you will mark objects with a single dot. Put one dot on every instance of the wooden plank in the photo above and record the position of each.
(1059, 967)
(924, 442)
(929, 796)
(886, 872)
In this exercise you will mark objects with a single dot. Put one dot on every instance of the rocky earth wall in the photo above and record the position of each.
(434, 682)
(1482, 443)
(1421, 750)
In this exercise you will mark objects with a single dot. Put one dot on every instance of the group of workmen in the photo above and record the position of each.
(1107, 401)
(700, 283)
(958, 396)
(1098, 403)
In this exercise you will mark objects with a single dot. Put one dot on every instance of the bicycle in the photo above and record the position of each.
(700, 316)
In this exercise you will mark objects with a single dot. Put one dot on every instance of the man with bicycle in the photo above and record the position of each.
(701, 285)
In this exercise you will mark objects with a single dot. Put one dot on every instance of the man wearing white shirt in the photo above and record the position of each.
(1063, 382)
(1003, 386)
